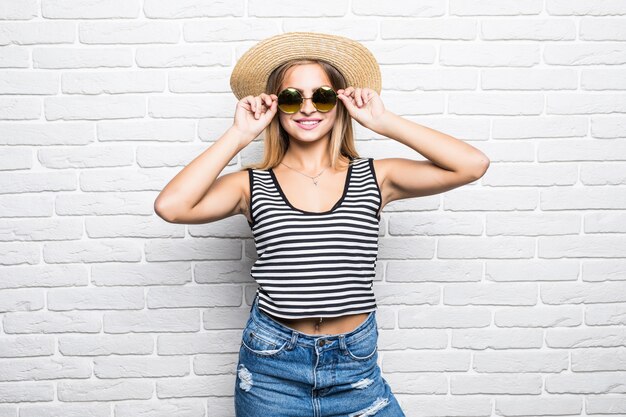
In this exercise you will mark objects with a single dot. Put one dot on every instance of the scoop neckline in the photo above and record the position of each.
(333, 208)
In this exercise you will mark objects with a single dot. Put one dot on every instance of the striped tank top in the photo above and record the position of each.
(316, 264)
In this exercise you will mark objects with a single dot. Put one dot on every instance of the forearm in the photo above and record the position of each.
(188, 187)
(442, 149)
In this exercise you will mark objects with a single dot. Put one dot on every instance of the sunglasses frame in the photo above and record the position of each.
(307, 98)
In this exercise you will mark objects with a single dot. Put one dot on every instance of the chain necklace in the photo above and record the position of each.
(313, 178)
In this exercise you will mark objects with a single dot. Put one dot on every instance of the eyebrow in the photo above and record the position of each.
(302, 90)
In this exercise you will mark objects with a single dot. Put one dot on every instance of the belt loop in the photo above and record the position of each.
(294, 339)
(342, 343)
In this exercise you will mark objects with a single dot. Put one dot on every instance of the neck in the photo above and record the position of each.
(308, 156)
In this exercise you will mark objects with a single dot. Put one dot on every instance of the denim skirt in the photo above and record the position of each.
(282, 372)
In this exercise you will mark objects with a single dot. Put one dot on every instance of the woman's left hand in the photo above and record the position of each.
(363, 104)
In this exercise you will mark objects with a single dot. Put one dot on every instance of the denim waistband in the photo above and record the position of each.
(295, 336)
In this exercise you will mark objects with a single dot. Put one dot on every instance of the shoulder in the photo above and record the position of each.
(388, 171)
(238, 180)
(248, 177)
(242, 180)
(381, 167)
(361, 161)
(387, 166)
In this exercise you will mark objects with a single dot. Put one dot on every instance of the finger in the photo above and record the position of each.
(257, 111)
(267, 104)
(252, 104)
(271, 109)
(347, 101)
(247, 104)
(359, 98)
(366, 95)
(266, 99)
(249, 100)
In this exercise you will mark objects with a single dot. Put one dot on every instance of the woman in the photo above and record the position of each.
(313, 205)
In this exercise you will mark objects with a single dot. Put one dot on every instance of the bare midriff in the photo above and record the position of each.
(327, 326)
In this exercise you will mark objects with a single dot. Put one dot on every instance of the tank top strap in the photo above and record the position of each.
(379, 196)
(251, 188)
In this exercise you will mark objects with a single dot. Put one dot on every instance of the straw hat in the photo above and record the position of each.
(357, 64)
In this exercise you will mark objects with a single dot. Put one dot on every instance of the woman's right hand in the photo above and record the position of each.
(253, 114)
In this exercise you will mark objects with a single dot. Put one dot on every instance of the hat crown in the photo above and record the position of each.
(357, 64)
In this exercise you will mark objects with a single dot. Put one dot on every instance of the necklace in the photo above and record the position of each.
(313, 178)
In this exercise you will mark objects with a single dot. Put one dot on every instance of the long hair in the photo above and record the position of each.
(276, 139)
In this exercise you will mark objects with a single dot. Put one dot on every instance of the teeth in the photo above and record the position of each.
(309, 123)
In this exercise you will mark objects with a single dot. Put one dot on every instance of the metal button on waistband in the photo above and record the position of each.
(323, 342)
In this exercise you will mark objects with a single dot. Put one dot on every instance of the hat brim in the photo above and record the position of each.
(357, 64)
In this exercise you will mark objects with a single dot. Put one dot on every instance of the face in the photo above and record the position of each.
(307, 78)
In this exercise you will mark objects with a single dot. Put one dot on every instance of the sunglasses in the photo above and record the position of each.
(290, 100)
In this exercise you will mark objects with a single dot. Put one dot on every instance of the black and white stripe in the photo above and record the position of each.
(313, 264)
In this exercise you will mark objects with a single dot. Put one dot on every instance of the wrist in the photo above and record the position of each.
(244, 138)
(381, 123)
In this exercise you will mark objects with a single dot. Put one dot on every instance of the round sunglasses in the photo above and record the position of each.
(290, 100)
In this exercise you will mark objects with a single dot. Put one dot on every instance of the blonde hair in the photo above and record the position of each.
(276, 139)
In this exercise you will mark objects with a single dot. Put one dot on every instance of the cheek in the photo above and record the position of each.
(284, 120)
(332, 116)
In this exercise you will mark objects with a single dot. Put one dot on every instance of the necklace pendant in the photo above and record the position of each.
(315, 182)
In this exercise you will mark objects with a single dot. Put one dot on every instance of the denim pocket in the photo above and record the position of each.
(364, 348)
(260, 342)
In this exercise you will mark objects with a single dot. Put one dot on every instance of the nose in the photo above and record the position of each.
(307, 106)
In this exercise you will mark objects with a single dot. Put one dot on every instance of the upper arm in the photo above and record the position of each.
(227, 196)
(405, 178)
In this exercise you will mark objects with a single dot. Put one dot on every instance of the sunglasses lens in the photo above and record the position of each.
(324, 99)
(289, 100)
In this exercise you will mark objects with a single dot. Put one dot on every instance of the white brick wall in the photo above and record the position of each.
(505, 297)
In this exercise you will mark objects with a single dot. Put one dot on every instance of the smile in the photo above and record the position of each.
(308, 124)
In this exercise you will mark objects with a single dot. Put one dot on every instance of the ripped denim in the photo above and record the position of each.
(285, 373)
